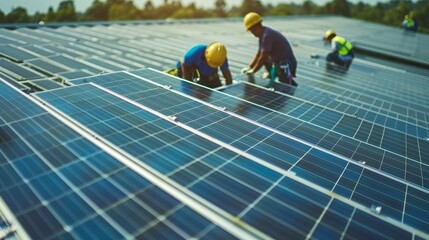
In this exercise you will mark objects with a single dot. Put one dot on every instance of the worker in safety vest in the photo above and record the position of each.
(408, 23)
(341, 50)
(275, 52)
(201, 63)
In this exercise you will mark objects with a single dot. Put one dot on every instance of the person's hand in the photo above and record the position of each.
(244, 70)
(247, 70)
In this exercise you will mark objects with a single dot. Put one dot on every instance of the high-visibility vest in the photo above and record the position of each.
(410, 23)
(345, 46)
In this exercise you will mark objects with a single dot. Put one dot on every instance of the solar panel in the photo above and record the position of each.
(75, 64)
(4, 40)
(353, 105)
(64, 50)
(12, 81)
(271, 148)
(66, 31)
(75, 74)
(380, 158)
(106, 64)
(377, 99)
(375, 134)
(38, 50)
(14, 53)
(22, 37)
(17, 71)
(58, 184)
(46, 66)
(47, 35)
(46, 84)
(344, 155)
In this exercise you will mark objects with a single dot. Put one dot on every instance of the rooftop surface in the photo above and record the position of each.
(95, 140)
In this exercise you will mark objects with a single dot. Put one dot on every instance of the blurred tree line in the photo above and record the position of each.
(390, 13)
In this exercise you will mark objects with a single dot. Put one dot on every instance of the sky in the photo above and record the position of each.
(81, 5)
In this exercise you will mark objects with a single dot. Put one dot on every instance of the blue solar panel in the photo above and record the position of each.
(13, 82)
(405, 113)
(47, 84)
(22, 37)
(18, 71)
(343, 155)
(74, 74)
(14, 53)
(168, 149)
(389, 158)
(74, 64)
(46, 66)
(60, 185)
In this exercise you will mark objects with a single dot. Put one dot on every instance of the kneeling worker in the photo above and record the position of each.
(275, 52)
(201, 63)
(341, 50)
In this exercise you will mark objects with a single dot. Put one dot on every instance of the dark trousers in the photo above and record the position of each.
(284, 71)
(335, 58)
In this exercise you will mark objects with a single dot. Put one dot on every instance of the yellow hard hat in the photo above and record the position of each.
(329, 33)
(251, 19)
(215, 54)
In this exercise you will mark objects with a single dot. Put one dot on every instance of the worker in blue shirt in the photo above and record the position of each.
(275, 52)
(341, 50)
(201, 63)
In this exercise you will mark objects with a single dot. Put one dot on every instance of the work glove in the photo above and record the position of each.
(247, 70)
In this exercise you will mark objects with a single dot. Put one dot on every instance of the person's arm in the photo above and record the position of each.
(255, 59)
(259, 60)
(227, 75)
(187, 72)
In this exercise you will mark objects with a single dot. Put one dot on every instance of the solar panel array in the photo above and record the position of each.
(109, 146)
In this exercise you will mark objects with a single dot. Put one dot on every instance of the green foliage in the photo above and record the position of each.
(308, 7)
(281, 10)
(220, 8)
(123, 11)
(190, 12)
(98, 11)
(2, 17)
(391, 12)
(51, 16)
(251, 6)
(339, 7)
(66, 12)
(17, 15)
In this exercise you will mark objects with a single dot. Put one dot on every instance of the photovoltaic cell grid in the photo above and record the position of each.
(60, 185)
(283, 153)
(372, 96)
(379, 134)
(370, 105)
(313, 128)
(251, 192)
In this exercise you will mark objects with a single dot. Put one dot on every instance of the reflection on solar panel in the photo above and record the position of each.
(47, 84)
(13, 82)
(75, 64)
(46, 66)
(352, 181)
(14, 53)
(51, 177)
(22, 37)
(74, 74)
(237, 176)
(414, 170)
(18, 71)
(142, 154)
